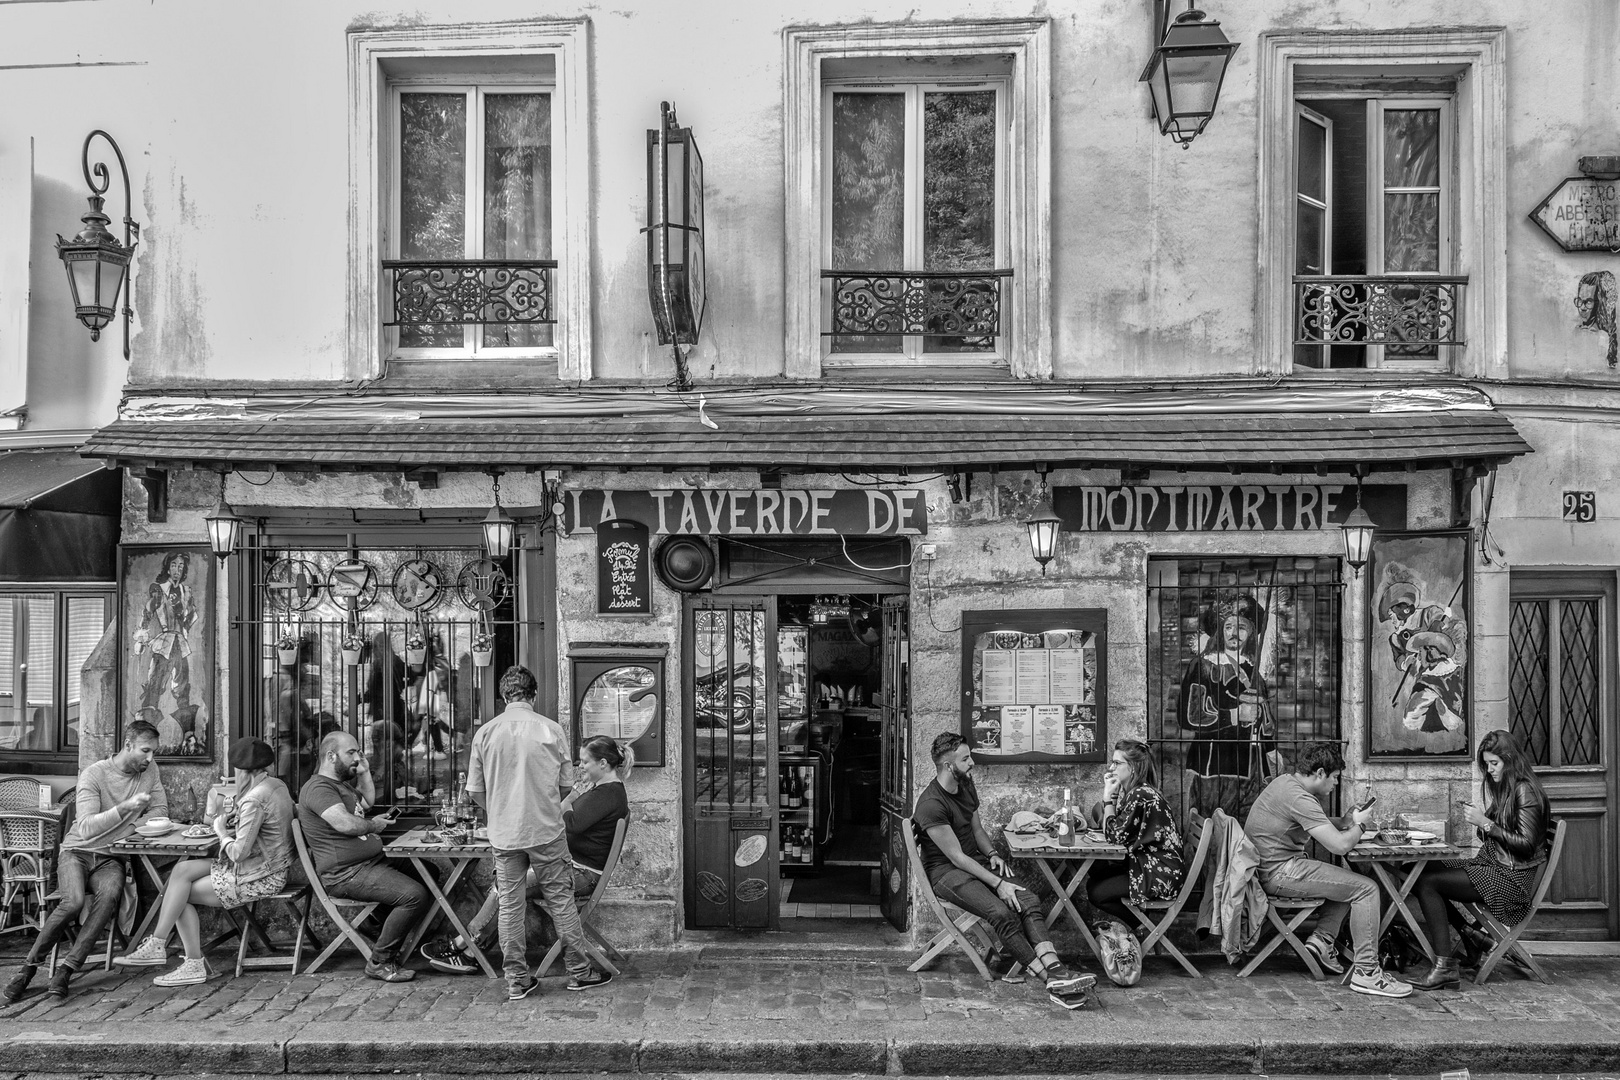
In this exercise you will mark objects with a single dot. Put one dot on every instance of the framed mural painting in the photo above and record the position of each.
(166, 672)
(1419, 652)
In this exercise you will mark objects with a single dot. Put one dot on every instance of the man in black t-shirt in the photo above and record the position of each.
(964, 869)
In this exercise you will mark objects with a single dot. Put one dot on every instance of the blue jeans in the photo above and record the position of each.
(554, 877)
(1346, 893)
(76, 871)
(1020, 931)
(483, 925)
(404, 897)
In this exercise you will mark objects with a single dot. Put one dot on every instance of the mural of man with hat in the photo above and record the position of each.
(163, 645)
(1224, 702)
(1429, 645)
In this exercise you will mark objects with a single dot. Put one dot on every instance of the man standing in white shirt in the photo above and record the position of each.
(515, 772)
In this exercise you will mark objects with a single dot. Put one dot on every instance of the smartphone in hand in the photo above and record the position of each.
(1368, 801)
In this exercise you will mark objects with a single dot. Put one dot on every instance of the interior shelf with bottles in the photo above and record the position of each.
(801, 815)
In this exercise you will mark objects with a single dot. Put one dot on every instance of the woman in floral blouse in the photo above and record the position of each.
(1135, 815)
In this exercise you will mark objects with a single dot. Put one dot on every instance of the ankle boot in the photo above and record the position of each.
(1446, 974)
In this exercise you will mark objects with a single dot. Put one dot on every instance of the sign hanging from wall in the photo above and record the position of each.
(754, 512)
(623, 569)
(1225, 507)
(1582, 214)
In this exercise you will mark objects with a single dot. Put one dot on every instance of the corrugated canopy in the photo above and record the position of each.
(828, 430)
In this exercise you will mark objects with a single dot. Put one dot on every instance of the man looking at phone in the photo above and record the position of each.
(1288, 813)
(964, 869)
(111, 798)
(347, 849)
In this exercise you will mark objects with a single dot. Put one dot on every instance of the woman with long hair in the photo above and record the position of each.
(255, 851)
(1513, 828)
(1134, 814)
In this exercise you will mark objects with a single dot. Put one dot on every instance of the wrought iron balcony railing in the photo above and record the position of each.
(940, 303)
(1415, 310)
(470, 291)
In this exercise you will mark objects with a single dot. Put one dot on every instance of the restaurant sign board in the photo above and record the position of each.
(623, 569)
(755, 512)
(1225, 507)
(1582, 214)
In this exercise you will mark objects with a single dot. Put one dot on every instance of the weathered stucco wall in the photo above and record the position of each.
(242, 182)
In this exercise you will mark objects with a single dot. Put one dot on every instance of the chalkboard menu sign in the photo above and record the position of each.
(623, 569)
(1034, 684)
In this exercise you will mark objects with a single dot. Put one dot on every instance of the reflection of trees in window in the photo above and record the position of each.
(869, 181)
(959, 181)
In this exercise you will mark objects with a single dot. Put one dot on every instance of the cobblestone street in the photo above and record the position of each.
(712, 1008)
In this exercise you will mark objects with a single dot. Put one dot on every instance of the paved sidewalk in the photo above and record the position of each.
(730, 1009)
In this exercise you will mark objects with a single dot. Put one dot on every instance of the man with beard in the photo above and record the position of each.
(348, 850)
(111, 797)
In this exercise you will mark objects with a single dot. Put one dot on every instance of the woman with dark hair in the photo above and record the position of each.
(1134, 814)
(1514, 830)
(591, 814)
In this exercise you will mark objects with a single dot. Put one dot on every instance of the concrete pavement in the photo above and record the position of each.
(734, 1008)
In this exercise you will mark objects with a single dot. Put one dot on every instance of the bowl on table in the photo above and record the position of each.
(1394, 837)
(158, 826)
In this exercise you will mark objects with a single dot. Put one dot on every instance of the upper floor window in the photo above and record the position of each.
(1383, 201)
(470, 216)
(46, 635)
(471, 272)
(914, 229)
(1372, 235)
(918, 175)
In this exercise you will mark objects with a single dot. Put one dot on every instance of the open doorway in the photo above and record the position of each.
(831, 718)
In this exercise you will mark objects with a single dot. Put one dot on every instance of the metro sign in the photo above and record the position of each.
(1582, 214)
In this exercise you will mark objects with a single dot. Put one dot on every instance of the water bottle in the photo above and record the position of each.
(1065, 829)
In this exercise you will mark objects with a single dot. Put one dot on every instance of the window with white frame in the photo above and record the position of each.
(472, 225)
(46, 635)
(918, 184)
(471, 198)
(914, 228)
(1383, 209)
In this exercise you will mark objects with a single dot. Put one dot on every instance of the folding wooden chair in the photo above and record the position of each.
(1506, 937)
(334, 906)
(114, 935)
(1158, 932)
(1301, 910)
(588, 905)
(296, 898)
(957, 924)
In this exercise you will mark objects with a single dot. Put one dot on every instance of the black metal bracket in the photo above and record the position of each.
(156, 483)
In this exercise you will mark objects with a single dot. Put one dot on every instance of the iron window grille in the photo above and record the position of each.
(1556, 678)
(470, 292)
(1211, 748)
(1415, 311)
(942, 303)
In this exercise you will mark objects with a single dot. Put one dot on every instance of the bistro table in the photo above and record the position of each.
(421, 844)
(1382, 859)
(176, 845)
(1047, 854)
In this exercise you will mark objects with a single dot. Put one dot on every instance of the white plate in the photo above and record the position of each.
(149, 832)
(1419, 834)
(197, 832)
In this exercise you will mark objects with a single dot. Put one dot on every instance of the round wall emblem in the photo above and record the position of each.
(353, 582)
(749, 852)
(293, 584)
(751, 890)
(712, 887)
(418, 585)
(482, 585)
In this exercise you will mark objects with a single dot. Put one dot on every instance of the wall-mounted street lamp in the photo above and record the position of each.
(1043, 526)
(1358, 535)
(499, 528)
(1186, 71)
(676, 269)
(224, 527)
(97, 264)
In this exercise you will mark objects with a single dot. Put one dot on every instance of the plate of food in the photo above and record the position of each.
(1094, 837)
(197, 832)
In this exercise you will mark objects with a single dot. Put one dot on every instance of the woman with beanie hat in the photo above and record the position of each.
(255, 845)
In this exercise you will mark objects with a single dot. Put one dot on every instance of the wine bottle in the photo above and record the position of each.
(1065, 828)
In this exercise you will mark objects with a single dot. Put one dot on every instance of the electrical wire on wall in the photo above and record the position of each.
(928, 595)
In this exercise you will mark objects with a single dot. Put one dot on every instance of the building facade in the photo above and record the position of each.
(949, 269)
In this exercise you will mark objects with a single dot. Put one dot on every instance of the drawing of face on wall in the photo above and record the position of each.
(1595, 304)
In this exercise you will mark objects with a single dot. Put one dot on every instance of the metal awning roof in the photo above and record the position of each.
(59, 517)
(825, 431)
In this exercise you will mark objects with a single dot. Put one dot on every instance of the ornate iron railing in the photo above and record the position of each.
(470, 291)
(942, 303)
(1334, 310)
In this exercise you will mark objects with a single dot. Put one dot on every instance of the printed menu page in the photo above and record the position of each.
(1048, 722)
(999, 685)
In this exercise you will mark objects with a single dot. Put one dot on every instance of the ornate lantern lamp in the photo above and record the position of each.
(1358, 535)
(675, 260)
(224, 527)
(97, 264)
(1044, 526)
(499, 529)
(1186, 71)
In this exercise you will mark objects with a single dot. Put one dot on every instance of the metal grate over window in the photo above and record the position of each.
(1555, 678)
(728, 681)
(400, 647)
(1244, 668)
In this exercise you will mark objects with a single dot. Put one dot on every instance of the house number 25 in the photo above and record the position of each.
(1580, 506)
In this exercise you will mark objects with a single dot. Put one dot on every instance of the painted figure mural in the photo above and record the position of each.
(1225, 703)
(163, 655)
(1595, 304)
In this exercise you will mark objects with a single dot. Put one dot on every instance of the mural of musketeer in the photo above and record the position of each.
(1225, 704)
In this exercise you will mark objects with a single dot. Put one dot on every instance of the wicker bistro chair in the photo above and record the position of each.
(335, 908)
(1167, 910)
(959, 927)
(588, 905)
(1506, 938)
(28, 839)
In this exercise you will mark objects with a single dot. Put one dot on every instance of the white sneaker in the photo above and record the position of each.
(150, 953)
(193, 971)
(1326, 954)
(1379, 983)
